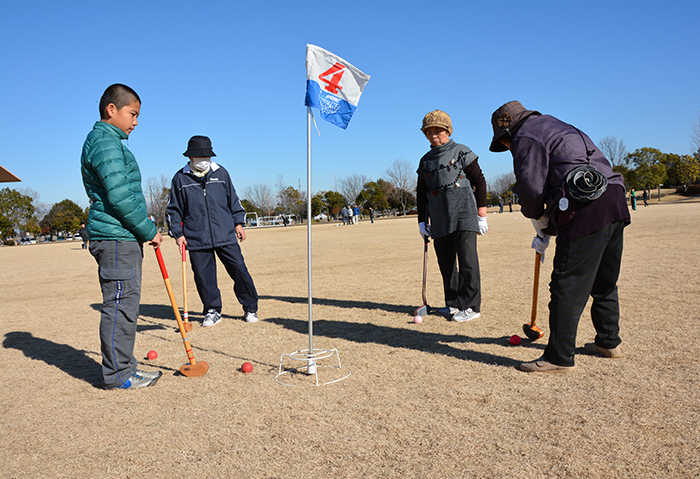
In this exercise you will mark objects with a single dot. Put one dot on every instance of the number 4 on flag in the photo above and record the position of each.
(335, 73)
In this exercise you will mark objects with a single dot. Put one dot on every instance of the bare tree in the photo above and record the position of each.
(40, 209)
(695, 136)
(157, 194)
(289, 199)
(501, 186)
(351, 187)
(614, 150)
(262, 197)
(403, 177)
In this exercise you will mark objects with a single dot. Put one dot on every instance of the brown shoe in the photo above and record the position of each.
(543, 366)
(593, 348)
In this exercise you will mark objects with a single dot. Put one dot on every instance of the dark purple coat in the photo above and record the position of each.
(545, 150)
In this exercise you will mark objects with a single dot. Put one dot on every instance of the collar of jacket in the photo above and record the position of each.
(103, 125)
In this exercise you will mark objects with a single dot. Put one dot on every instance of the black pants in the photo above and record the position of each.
(204, 269)
(459, 266)
(587, 266)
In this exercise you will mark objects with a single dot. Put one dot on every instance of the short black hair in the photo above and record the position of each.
(120, 95)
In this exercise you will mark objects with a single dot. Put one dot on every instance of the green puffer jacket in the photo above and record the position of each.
(112, 181)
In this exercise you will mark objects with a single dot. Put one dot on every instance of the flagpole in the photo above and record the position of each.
(310, 363)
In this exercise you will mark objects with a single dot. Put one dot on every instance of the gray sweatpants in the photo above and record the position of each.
(120, 279)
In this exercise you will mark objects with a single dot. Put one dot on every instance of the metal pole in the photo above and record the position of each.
(311, 369)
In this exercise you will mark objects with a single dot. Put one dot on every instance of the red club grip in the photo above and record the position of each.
(163, 271)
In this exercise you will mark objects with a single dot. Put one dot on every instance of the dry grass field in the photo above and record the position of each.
(436, 400)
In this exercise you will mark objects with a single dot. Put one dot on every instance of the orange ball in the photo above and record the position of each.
(152, 355)
(247, 368)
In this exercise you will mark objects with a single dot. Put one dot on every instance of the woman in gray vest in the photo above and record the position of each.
(451, 197)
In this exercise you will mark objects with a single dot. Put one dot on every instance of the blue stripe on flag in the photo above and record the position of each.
(333, 109)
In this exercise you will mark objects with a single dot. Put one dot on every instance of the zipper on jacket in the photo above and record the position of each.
(206, 204)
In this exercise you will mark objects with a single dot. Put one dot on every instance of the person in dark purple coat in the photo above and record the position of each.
(586, 211)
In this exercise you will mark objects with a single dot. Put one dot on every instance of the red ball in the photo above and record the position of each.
(152, 355)
(515, 340)
(247, 368)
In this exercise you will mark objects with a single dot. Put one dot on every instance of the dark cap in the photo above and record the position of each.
(199, 147)
(506, 120)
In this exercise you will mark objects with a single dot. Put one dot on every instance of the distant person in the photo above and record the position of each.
(210, 225)
(500, 205)
(344, 214)
(645, 197)
(451, 197)
(356, 214)
(633, 199)
(510, 206)
(118, 225)
(371, 215)
(351, 216)
(588, 218)
(83, 235)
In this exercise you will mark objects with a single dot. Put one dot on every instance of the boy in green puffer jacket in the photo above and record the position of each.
(118, 225)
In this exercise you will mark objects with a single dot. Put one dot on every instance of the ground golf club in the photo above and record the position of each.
(185, 315)
(530, 329)
(193, 369)
(425, 309)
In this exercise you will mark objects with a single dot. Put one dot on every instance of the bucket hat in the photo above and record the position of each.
(507, 119)
(199, 147)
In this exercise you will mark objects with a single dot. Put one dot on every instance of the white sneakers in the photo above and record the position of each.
(459, 316)
(212, 318)
(466, 315)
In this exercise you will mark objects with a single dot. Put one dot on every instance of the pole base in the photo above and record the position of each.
(298, 376)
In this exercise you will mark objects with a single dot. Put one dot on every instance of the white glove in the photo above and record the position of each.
(483, 225)
(424, 229)
(540, 225)
(540, 243)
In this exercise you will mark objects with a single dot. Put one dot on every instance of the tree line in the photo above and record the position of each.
(22, 214)
(395, 192)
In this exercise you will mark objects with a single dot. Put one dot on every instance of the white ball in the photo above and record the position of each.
(417, 319)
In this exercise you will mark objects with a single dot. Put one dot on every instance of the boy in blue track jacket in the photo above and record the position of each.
(205, 214)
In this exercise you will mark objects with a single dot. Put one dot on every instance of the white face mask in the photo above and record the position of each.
(200, 164)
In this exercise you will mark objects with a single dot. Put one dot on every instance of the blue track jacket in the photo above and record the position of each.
(205, 210)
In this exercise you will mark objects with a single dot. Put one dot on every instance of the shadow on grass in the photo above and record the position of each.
(72, 361)
(434, 343)
(339, 303)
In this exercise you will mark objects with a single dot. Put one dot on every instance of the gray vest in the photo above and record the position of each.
(451, 200)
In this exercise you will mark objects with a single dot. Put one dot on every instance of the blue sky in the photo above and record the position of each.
(234, 71)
